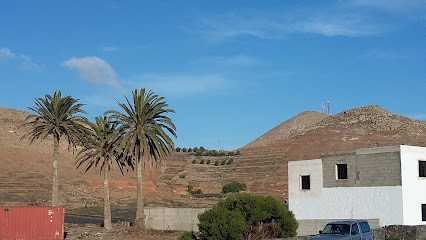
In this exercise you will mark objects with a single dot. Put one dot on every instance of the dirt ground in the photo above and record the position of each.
(120, 231)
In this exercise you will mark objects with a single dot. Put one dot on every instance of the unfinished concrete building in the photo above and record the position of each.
(384, 183)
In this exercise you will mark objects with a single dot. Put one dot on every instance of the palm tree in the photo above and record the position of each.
(100, 149)
(145, 138)
(56, 117)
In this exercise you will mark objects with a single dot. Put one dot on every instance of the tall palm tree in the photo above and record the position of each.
(145, 138)
(56, 117)
(100, 148)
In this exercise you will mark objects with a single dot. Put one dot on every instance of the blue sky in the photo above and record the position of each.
(231, 70)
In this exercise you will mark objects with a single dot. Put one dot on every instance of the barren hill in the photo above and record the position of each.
(25, 169)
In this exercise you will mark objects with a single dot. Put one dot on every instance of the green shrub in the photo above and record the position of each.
(238, 153)
(221, 153)
(234, 187)
(194, 161)
(182, 175)
(265, 217)
(183, 149)
(192, 191)
(202, 149)
(188, 236)
(198, 153)
(220, 223)
(216, 163)
(178, 149)
(189, 149)
(208, 161)
(223, 162)
(231, 153)
(202, 161)
(230, 161)
(195, 149)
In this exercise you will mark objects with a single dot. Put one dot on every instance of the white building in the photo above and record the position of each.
(385, 183)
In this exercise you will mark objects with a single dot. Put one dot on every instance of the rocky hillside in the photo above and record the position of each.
(25, 169)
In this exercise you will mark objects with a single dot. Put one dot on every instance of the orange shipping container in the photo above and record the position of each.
(31, 223)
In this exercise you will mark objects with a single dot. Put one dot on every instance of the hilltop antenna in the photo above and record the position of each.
(325, 108)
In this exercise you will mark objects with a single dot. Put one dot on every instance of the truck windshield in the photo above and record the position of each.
(336, 229)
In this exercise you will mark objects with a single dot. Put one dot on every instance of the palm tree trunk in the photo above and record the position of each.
(55, 171)
(140, 215)
(107, 204)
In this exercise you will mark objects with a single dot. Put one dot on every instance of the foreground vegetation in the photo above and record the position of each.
(245, 216)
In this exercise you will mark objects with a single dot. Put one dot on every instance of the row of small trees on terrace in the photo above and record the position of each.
(205, 152)
(134, 136)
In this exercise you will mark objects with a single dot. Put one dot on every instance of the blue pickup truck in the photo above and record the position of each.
(346, 230)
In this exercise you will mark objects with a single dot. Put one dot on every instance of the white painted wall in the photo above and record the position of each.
(384, 203)
(304, 167)
(413, 186)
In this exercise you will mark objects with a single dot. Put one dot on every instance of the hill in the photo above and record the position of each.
(25, 169)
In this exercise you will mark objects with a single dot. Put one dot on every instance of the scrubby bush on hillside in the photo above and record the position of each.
(208, 161)
(189, 149)
(192, 191)
(178, 149)
(194, 161)
(238, 153)
(230, 161)
(223, 162)
(263, 217)
(234, 187)
(195, 149)
(231, 153)
(202, 161)
(216, 163)
(183, 149)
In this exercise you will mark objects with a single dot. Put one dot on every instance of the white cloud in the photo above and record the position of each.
(5, 53)
(279, 27)
(94, 70)
(109, 48)
(421, 116)
(237, 60)
(28, 63)
(178, 85)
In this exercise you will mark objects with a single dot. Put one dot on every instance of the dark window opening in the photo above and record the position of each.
(423, 212)
(306, 182)
(342, 171)
(422, 168)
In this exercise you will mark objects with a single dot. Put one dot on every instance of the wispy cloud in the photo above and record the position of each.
(24, 61)
(237, 60)
(109, 48)
(5, 53)
(420, 116)
(178, 85)
(94, 70)
(279, 27)
(383, 55)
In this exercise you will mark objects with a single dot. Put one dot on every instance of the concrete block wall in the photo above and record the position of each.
(365, 168)
(182, 219)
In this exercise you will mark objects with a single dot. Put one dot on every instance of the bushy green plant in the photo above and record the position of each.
(194, 161)
(189, 149)
(230, 161)
(216, 163)
(192, 191)
(188, 236)
(231, 153)
(238, 152)
(202, 161)
(184, 149)
(202, 149)
(223, 162)
(234, 187)
(198, 153)
(195, 149)
(178, 149)
(208, 161)
(259, 211)
(219, 223)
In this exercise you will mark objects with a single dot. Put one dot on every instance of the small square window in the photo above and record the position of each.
(342, 171)
(423, 212)
(422, 168)
(305, 182)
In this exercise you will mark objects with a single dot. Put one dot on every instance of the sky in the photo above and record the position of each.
(231, 70)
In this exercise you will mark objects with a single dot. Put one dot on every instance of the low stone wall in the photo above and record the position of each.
(182, 219)
(406, 232)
